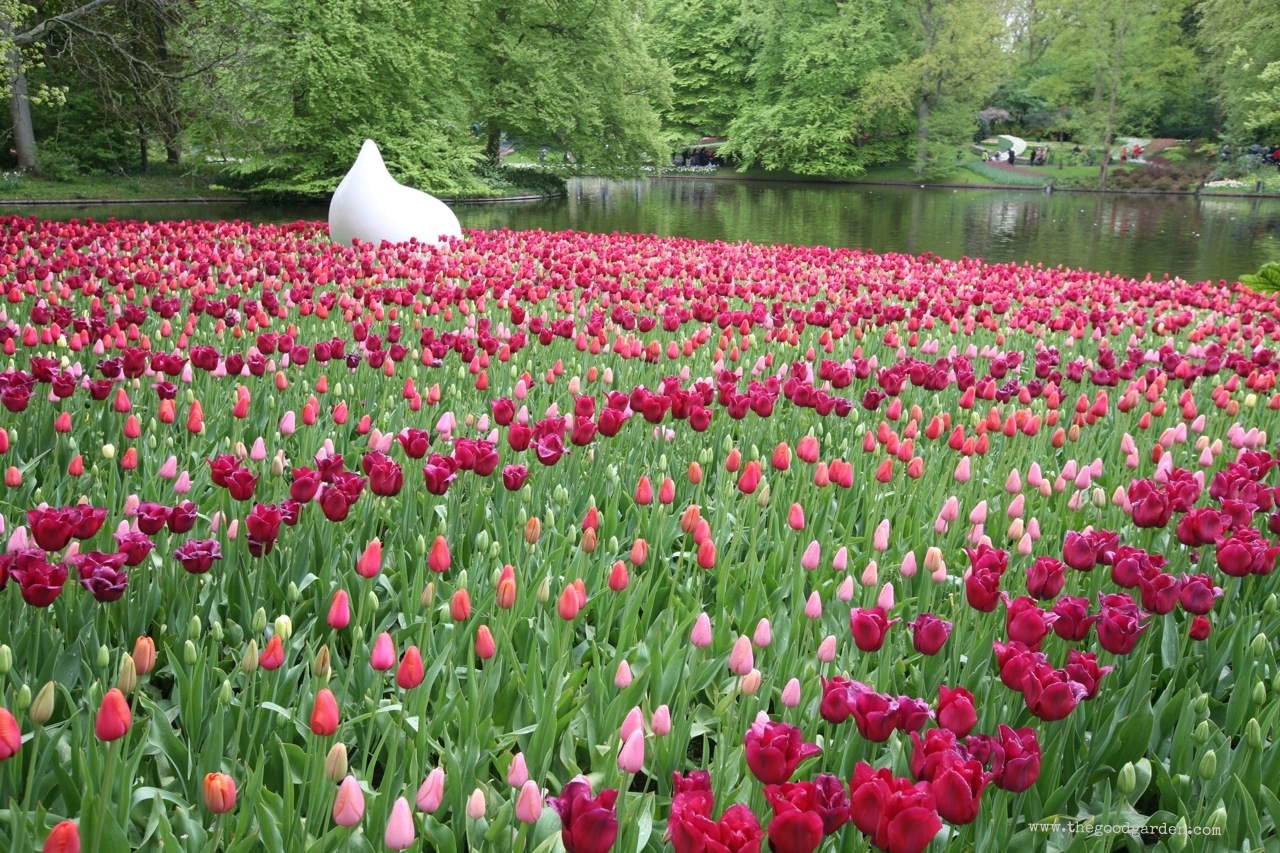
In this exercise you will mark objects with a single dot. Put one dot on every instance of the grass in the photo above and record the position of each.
(163, 181)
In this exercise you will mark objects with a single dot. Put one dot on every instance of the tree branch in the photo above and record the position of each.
(33, 35)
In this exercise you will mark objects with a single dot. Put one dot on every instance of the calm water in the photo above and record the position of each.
(1197, 239)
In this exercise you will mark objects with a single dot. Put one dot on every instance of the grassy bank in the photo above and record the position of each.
(182, 183)
(162, 181)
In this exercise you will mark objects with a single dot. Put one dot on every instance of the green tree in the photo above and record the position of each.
(1119, 64)
(1241, 40)
(706, 48)
(820, 102)
(322, 77)
(575, 74)
(959, 59)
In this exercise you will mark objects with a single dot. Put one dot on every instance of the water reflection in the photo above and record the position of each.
(1197, 239)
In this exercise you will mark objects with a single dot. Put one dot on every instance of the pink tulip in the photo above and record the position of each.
(660, 723)
(622, 676)
(701, 635)
(841, 561)
(763, 635)
(827, 649)
(812, 555)
(813, 607)
(348, 808)
(741, 659)
(634, 721)
(518, 772)
(880, 540)
(963, 474)
(871, 574)
(845, 591)
(631, 756)
(791, 693)
(401, 832)
(529, 803)
(886, 597)
(476, 805)
(431, 794)
(383, 656)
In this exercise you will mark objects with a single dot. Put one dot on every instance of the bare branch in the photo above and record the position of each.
(34, 34)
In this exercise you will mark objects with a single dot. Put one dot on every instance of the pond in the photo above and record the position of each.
(1196, 238)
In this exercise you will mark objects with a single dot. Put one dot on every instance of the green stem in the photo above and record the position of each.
(108, 771)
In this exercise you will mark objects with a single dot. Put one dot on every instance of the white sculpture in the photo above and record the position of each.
(372, 205)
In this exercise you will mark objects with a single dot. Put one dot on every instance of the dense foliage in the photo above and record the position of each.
(286, 91)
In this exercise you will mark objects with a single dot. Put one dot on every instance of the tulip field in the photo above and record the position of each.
(558, 541)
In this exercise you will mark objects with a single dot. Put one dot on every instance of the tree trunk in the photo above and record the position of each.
(922, 133)
(493, 145)
(24, 135)
(1109, 133)
(144, 156)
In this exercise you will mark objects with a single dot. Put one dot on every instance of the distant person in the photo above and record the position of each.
(1012, 156)
(542, 154)
(1137, 151)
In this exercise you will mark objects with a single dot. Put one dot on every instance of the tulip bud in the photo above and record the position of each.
(219, 793)
(428, 595)
(249, 662)
(1218, 820)
(320, 665)
(1208, 764)
(215, 631)
(1259, 693)
(335, 763)
(127, 681)
(259, 623)
(42, 708)
(762, 497)
(543, 594)
(1259, 645)
(529, 803)
(1127, 780)
(284, 628)
(660, 723)
(23, 700)
(1253, 733)
(6, 659)
(1200, 704)
(751, 682)
(476, 805)
(189, 654)
(293, 594)
(194, 627)
(1177, 840)
(224, 693)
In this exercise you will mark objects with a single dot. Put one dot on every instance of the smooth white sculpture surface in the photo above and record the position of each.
(372, 205)
(1016, 143)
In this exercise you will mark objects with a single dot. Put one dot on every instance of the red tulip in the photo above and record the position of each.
(64, 838)
(114, 717)
(869, 627)
(324, 714)
(588, 824)
(774, 750)
(219, 793)
(10, 735)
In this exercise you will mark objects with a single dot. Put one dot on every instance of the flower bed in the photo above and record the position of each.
(714, 547)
